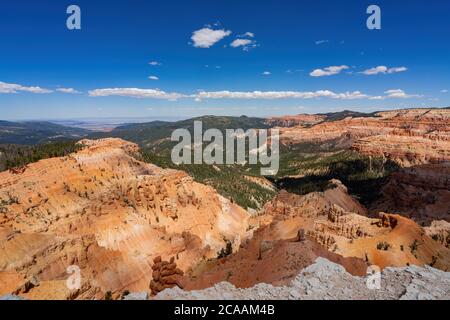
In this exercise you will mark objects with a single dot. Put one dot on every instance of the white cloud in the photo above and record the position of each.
(398, 93)
(241, 42)
(35, 90)
(266, 73)
(321, 42)
(246, 44)
(153, 78)
(395, 94)
(248, 34)
(328, 71)
(68, 90)
(271, 95)
(294, 71)
(376, 70)
(383, 70)
(136, 93)
(248, 95)
(376, 98)
(444, 91)
(279, 95)
(154, 63)
(206, 37)
(15, 88)
(397, 69)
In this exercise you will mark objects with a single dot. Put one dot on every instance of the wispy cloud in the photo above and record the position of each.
(68, 90)
(328, 71)
(321, 42)
(271, 95)
(399, 93)
(136, 93)
(245, 41)
(248, 95)
(153, 78)
(15, 88)
(214, 67)
(396, 94)
(444, 91)
(294, 71)
(383, 70)
(248, 34)
(154, 63)
(266, 73)
(279, 95)
(241, 42)
(207, 37)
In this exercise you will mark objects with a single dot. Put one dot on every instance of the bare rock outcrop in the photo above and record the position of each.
(325, 280)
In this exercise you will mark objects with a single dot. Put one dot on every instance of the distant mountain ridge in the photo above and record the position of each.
(148, 133)
(336, 116)
(35, 132)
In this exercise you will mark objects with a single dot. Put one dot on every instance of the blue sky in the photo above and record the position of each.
(225, 57)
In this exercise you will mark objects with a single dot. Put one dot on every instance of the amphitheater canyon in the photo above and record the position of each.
(131, 226)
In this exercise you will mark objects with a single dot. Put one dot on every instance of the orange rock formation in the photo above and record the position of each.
(421, 193)
(409, 137)
(109, 214)
(297, 120)
(389, 240)
(165, 275)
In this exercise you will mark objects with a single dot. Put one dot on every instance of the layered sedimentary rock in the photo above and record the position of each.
(386, 240)
(281, 244)
(297, 120)
(294, 230)
(314, 204)
(440, 232)
(409, 137)
(405, 148)
(109, 214)
(421, 193)
(264, 259)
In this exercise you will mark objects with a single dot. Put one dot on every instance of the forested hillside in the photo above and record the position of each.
(19, 155)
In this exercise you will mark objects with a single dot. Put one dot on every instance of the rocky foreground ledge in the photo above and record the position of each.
(325, 280)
